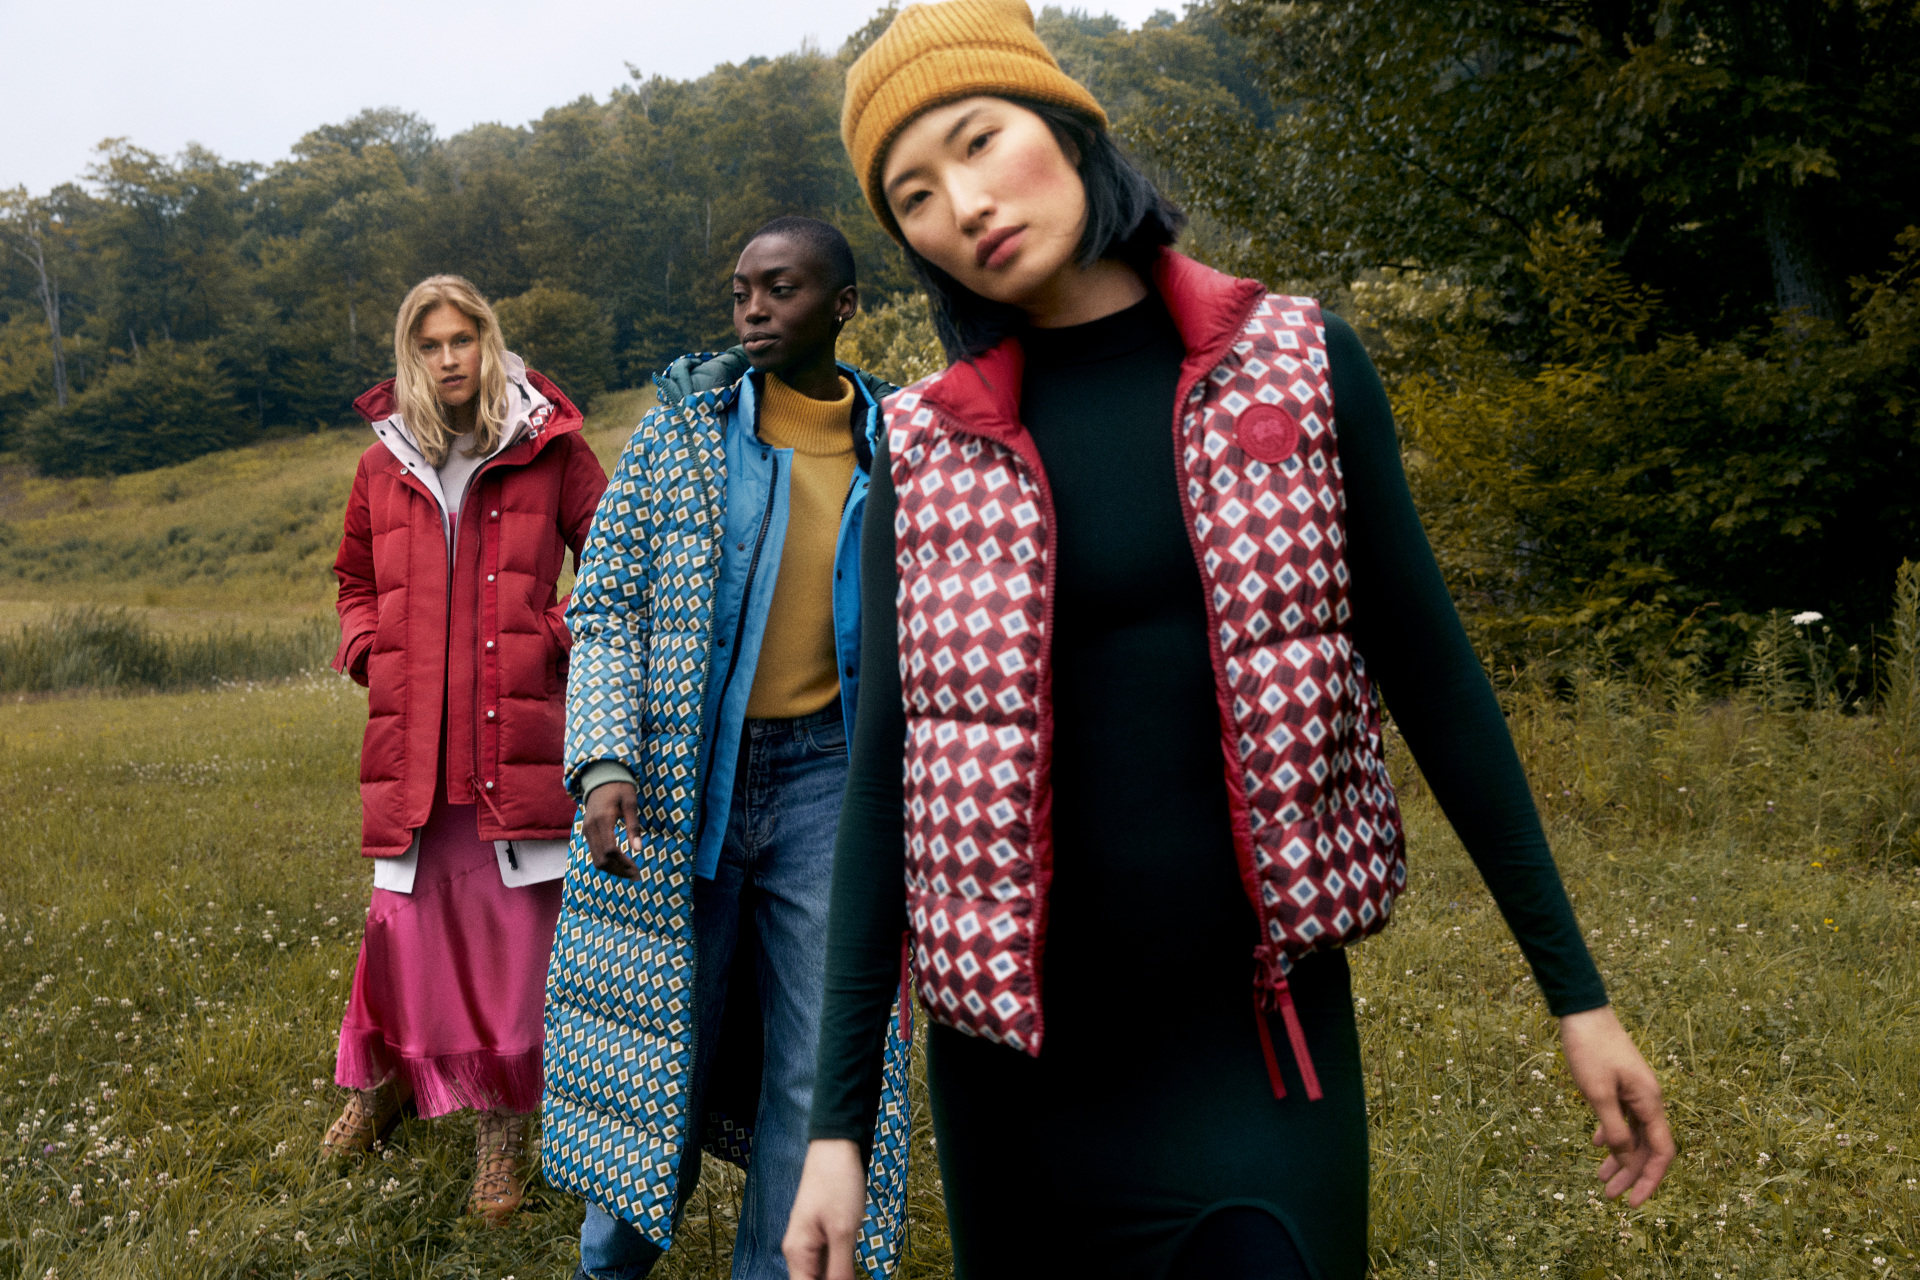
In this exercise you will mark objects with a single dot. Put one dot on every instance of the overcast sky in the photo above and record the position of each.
(247, 79)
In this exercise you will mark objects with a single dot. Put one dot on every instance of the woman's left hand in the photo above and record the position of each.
(1625, 1095)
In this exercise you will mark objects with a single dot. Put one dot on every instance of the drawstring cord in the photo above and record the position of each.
(1272, 994)
(480, 789)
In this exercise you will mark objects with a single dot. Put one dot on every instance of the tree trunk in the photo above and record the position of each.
(59, 353)
(50, 304)
(353, 319)
(1800, 278)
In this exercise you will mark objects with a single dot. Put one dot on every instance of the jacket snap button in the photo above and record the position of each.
(489, 713)
(495, 514)
(489, 786)
(489, 577)
(489, 644)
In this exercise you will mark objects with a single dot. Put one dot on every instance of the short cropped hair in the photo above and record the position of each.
(823, 238)
(1127, 219)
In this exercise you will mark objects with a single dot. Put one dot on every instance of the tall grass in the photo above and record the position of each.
(181, 907)
(111, 649)
(1897, 784)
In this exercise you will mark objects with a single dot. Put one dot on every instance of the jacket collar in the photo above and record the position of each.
(713, 382)
(1208, 307)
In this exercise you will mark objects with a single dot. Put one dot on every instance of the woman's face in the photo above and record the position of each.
(982, 189)
(449, 346)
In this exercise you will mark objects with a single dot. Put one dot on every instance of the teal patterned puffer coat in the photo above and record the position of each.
(619, 1017)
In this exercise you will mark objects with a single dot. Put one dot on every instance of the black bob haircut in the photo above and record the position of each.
(1127, 220)
(823, 238)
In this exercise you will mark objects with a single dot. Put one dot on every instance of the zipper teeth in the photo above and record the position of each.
(706, 675)
(706, 658)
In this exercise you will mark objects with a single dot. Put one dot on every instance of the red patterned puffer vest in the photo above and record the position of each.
(1315, 823)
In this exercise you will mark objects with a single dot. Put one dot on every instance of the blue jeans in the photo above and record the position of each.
(779, 853)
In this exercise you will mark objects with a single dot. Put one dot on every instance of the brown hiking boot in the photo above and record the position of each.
(369, 1116)
(500, 1139)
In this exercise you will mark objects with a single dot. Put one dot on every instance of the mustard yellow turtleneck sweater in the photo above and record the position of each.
(798, 673)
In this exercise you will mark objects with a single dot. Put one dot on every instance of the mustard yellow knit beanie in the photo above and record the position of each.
(939, 53)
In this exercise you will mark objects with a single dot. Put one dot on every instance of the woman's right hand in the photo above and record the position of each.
(826, 1211)
(609, 806)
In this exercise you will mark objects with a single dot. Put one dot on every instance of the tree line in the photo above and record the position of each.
(165, 306)
(1641, 275)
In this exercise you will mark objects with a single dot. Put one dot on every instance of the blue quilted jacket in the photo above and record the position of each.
(619, 1016)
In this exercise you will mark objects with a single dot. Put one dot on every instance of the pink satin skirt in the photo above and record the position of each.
(452, 978)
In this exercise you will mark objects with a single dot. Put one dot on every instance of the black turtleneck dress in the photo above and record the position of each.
(1149, 1106)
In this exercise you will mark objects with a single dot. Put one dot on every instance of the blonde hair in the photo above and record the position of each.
(420, 406)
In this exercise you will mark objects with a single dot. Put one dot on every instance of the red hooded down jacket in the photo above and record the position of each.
(487, 644)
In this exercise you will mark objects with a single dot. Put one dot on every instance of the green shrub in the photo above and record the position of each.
(170, 404)
(1659, 492)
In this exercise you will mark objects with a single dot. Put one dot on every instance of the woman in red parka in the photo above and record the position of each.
(457, 529)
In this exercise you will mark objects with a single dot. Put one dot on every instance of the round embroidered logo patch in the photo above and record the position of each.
(1267, 432)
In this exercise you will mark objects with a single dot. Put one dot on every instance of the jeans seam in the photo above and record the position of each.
(757, 796)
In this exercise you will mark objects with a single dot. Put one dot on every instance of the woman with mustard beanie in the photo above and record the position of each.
(1135, 564)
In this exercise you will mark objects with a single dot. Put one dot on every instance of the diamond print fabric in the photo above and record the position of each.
(1327, 845)
(1324, 855)
(619, 1014)
(968, 541)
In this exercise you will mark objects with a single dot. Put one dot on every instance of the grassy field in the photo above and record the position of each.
(215, 570)
(182, 906)
(248, 534)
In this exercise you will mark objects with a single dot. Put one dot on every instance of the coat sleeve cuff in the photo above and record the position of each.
(602, 771)
(350, 659)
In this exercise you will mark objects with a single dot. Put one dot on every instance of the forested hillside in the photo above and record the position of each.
(1642, 275)
(202, 299)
